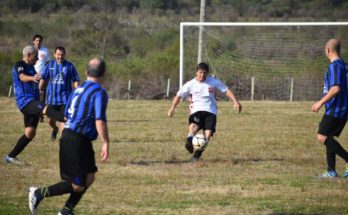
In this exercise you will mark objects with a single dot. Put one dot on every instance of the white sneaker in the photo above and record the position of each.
(15, 161)
(33, 200)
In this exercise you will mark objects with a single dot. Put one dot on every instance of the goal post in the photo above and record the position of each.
(271, 53)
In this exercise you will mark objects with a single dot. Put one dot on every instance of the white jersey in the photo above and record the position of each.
(44, 57)
(202, 94)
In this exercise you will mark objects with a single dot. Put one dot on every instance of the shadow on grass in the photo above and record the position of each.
(234, 161)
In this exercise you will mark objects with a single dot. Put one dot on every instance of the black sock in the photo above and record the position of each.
(71, 203)
(60, 188)
(22, 142)
(335, 147)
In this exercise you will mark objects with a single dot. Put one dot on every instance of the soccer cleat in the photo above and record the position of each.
(196, 155)
(54, 134)
(33, 200)
(15, 161)
(345, 173)
(60, 213)
(66, 211)
(189, 145)
(328, 174)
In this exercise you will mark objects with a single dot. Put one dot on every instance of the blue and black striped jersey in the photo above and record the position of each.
(60, 78)
(337, 75)
(24, 92)
(86, 104)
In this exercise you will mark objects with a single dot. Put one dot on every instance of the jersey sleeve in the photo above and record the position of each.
(100, 104)
(184, 90)
(45, 74)
(19, 68)
(335, 74)
(221, 86)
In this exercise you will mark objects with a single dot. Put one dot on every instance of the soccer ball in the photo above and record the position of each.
(199, 141)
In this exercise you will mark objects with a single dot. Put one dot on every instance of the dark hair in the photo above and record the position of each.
(61, 48)
(96, 70)
(202, 66)
(37, 36)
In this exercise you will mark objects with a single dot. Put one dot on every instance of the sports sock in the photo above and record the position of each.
(73, 200)
(335, 147)
(22, 142)
(60, 188)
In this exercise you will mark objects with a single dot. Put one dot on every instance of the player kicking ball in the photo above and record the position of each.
(203, 106)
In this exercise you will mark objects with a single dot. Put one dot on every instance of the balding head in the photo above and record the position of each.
(96, 68)
(29, 50)
(334, 46)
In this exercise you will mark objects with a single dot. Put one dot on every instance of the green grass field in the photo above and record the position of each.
(262, 161)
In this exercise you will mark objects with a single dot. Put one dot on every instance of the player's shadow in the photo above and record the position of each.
(235, 161)
(155, 162)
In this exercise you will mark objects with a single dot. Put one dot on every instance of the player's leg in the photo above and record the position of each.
(328, 128)
(75, 197)
(54, 127)
(31, 120)
(194, 126)
(208, 126)
(88, 168)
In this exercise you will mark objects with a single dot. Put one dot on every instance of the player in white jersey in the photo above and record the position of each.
(43, 53)
(43, 58)
(203, 108)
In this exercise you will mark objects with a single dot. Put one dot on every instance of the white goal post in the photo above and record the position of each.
(243, 24)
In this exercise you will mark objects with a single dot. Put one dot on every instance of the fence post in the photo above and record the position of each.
(291, 88)
(10, 91)
(168, 87)
(129, 88)
(252, 88)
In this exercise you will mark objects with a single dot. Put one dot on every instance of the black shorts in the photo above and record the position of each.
(76, 157)
(60, 108)
(331, 126)
(32, 113)
(204, 120)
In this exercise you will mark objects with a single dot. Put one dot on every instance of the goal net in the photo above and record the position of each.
(263, 61)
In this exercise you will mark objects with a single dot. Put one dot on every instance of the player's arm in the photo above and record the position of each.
(175, 102)
(42, 85)
(334, 90)
(27, 78)
(104, 135)
(236, 104)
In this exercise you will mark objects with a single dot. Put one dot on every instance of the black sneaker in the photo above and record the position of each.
(189, 145)
(65, 211)
(54, 134)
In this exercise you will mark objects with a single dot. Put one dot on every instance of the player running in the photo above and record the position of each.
(203, 106)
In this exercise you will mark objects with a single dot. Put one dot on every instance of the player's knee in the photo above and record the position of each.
(321, 138)
(30, 133)
(78, 188)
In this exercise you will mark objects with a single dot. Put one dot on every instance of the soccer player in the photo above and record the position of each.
(335, 99)
(203, 107)
(58, 75)
(86, 118)
(43, 58)
(26, 90)
(43, 53)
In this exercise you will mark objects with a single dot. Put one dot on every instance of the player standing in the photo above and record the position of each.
(335, 98)
(58, 75)
(86, 113)
(203, 105)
